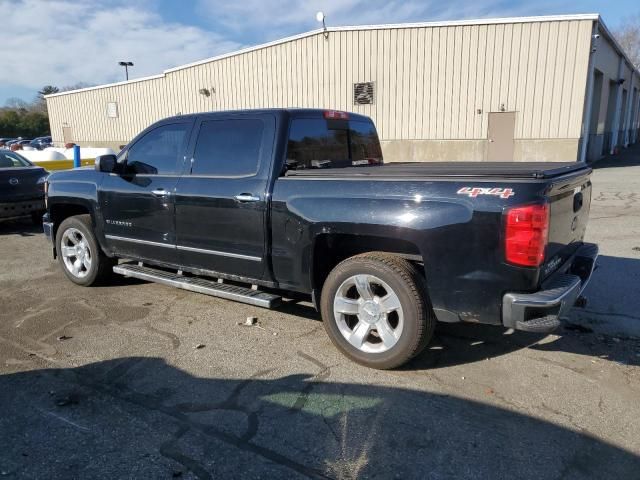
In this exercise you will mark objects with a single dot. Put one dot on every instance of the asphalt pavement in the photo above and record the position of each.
(138, 380)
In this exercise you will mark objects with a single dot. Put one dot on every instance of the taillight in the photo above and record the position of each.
(526, 235)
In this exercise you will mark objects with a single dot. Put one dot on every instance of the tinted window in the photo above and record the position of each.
(159, 150)
(10, 159)
(320, 143)
(365, 146)
(228, 148)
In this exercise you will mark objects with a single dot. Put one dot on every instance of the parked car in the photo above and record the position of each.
(21, 187)
(284, 200)
(17, 144)
(3, 141)
(40, 143)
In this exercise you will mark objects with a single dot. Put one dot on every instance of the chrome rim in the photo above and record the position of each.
(75, 252)
(368, 313)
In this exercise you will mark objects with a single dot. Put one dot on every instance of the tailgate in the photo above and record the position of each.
(569, 200)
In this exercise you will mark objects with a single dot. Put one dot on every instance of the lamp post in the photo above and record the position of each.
(126, 66)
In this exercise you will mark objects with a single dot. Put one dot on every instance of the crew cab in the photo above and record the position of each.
(258, 205)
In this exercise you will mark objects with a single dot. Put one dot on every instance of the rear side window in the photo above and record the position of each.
(10, 159)
(320, 143)
(228, 148)
(158, 152)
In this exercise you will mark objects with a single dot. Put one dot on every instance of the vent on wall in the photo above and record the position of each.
(363, 93)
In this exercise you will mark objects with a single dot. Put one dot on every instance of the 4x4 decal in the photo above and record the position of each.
(473, 192)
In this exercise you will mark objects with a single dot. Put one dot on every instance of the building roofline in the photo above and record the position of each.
(602, 27)
(452, 23)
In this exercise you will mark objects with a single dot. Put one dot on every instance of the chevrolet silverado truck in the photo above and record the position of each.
(256, 206)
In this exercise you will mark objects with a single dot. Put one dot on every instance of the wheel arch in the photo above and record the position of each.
(62, 208)
(329, 249)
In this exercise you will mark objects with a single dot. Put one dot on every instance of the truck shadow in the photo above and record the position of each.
(463, 343)
(614, 302)
(20, 226)
(144, 418)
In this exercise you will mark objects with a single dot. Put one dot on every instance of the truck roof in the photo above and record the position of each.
(292, 112)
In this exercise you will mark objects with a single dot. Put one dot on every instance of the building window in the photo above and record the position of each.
(112, 110)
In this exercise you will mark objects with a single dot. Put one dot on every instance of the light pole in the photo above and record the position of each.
(126, 66)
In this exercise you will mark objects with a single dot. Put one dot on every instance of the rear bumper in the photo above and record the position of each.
(20, 209)
(542, 311)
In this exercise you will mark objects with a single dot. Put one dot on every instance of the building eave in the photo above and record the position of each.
(391, 26)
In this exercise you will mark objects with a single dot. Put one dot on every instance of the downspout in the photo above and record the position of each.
(586, 120)
(628, 116)
(616, 115)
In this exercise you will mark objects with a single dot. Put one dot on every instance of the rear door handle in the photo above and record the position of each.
(161, 192)
(247, 197)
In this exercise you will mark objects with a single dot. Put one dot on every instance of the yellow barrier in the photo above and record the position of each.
(63, 164)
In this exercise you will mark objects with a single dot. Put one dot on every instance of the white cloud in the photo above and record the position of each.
(64, 42)
(271, 18)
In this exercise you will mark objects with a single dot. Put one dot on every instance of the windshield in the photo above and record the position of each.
(11, 160)
(321, 143)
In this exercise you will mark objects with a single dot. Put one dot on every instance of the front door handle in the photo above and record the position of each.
(161, 192)
(247, 197)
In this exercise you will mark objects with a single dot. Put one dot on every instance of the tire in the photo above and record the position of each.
(83, 262)
(382, 325)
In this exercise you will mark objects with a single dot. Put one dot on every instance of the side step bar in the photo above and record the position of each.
(199, 285)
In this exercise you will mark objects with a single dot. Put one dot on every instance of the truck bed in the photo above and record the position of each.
(536, 170)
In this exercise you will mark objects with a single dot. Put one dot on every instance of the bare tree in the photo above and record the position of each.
(628, 35)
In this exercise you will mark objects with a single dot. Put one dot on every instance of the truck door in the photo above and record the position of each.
(221, 201)
(138, 203)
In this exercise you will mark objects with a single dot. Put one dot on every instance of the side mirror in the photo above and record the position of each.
(106, 163)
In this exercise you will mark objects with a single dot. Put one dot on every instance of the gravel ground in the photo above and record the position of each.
(110, 383)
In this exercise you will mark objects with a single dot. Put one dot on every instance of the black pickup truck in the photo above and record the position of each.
(257, 205)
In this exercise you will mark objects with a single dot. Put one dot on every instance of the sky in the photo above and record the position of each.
(67, 42)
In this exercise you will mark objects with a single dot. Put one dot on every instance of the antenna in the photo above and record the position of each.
(320, 17)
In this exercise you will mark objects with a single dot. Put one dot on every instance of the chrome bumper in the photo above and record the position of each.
(47, 227)
(542, 311)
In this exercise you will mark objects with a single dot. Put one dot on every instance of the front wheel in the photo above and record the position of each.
(80, 256)
(376, 310)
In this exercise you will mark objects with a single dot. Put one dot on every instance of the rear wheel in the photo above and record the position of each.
(80, 256)
(376, 311)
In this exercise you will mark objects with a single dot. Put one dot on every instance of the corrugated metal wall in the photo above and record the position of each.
(430, 82)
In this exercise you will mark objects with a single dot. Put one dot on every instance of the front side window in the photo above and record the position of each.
(159, 151)
(228, 148)
(320, 143)
(12, 160)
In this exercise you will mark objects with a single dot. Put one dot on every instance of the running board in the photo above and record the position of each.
(199, 285)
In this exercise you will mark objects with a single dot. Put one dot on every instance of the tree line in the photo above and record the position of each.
(19, 118)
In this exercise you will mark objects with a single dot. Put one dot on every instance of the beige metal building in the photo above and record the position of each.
(537, 88)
